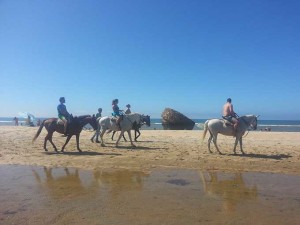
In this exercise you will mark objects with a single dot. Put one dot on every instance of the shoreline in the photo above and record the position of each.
(274, 152)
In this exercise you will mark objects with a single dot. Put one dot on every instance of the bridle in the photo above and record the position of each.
(251, 123)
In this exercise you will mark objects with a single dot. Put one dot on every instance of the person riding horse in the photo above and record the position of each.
(116, 112)
(229, 114)
(63, 114)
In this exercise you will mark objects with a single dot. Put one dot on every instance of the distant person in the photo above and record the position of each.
(38, 123)
(63, 114)
(98, 116)
(116, 112)
(229, 114)
(16, 121)
(128, 111)
(28, 121)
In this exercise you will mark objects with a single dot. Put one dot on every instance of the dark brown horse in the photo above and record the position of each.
(74, 128)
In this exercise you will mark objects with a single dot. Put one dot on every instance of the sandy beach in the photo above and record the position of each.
(276, 152)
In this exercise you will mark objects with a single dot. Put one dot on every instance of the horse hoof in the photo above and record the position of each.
(92, 140)
(79, 150)
(98, 141)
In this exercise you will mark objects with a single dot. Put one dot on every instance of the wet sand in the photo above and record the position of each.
(276, 152)
(162, 196)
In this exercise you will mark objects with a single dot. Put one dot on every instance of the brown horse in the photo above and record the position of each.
(74, 128)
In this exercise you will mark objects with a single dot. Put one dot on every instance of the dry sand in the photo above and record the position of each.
(277, 152)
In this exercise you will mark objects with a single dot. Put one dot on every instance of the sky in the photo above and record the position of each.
(188, 55)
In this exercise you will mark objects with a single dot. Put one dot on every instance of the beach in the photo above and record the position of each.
(275, 152)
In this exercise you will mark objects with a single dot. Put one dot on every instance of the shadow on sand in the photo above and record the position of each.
(140, 148)
(84, 153)
(263, 156)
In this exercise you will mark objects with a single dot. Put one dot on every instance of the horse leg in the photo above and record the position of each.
(94, 135)
(235, 144)
(68, 139)
(97, 136)
(101, 137)
(121, 134)
(77, 142)
(129, 134)
(112, 137)
(136, 136)
(50, 139)
(209, 141)
(124, 138)
(241, 146)
(45, 143)
(215, 143)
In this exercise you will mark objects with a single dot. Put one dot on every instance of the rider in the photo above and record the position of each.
(229, 114)
(116, 112)
(63, 113)
(98, 115)
(128, 111)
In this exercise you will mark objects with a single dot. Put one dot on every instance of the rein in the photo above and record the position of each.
(248, 125)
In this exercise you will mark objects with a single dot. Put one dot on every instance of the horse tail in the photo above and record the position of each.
(205, 129)
(39, 131)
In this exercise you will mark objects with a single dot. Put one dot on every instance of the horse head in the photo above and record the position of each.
(146, 120)
(85, 119)
(251, 121)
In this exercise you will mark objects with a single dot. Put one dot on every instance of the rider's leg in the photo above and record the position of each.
(119, 121)
(65, 125)
(235, 124)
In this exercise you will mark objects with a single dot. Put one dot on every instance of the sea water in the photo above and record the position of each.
(156, 124)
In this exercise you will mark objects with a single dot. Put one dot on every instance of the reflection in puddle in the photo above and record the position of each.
(37, 195)
(231, 189)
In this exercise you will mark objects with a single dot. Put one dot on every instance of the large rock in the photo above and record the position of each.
(173, 120)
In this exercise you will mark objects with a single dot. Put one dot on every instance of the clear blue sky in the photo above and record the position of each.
(188, 55)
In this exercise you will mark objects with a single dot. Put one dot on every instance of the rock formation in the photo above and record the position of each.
(173, 120)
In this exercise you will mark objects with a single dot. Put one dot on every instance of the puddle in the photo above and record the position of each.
(38, 195)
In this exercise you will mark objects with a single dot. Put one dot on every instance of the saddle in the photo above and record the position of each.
(227, 123)
(113, 119)
(60, 122)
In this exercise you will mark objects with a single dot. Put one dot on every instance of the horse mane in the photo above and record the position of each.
(83, 117)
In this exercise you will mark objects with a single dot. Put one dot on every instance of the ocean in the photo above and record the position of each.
(271, 125)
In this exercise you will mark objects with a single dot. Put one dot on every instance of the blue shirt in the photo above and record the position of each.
(62, 110)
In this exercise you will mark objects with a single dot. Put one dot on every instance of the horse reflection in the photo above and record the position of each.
(66, 185)
(121, 180)
(62, 186)
(232, 190)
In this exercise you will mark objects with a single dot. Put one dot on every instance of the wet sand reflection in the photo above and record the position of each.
(41, 195)
(232, 189)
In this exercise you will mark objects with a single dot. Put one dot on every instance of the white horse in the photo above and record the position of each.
(127, 124)
(215, 126)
